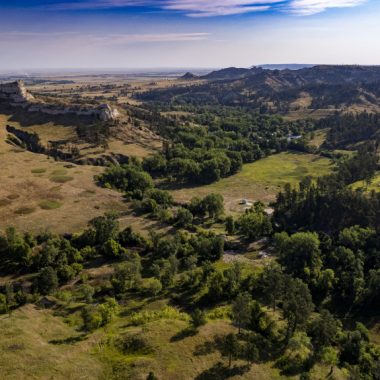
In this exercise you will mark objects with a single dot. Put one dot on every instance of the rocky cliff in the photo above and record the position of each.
(15, 94)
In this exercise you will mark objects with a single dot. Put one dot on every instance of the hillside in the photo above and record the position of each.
(306, 90)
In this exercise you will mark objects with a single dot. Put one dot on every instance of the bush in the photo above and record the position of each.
(168, 312)
(133, 344)
(152, 286)
(184, 218)
(92, 319)
(198, 318)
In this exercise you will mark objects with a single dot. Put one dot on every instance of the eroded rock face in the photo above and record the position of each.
(16, 94)
(106, 113)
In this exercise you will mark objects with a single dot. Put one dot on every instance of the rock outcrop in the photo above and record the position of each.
(15, 94)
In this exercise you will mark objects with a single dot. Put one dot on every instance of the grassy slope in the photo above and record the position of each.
(263, 179)
(28, 179)
(35, 346)
(26, 350)
(375, 184)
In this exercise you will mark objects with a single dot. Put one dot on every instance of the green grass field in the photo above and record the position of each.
(374, 185)
(263, 179)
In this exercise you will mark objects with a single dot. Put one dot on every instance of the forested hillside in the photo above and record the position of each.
(280, 91)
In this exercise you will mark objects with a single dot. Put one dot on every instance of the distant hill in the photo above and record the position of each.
(289, 66)
(188, 76)
(232, 73)
(326, 87)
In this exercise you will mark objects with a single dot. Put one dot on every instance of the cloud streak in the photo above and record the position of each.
(104, 40)
(212, 8)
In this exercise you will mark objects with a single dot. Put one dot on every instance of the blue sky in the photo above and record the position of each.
(37, 34)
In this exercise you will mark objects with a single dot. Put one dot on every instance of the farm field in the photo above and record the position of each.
(263, 179)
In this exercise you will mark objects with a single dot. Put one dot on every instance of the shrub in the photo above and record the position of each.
(168, 312)
(152, 286)
(133, 344)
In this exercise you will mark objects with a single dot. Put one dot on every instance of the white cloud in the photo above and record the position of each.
(310, 7)
(210, 8)
(203, 8)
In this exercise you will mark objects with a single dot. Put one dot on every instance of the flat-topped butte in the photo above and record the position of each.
(15, 94)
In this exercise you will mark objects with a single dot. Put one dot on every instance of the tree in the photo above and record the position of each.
(91, 317)
(300, 254)
(106, 227)
(254, 223)
(184, 218)
(127, 275)
(297, 304)
(234, 278)
(87, 292)
(228, 346)
(112, 249)
(329, 356)
(161, 197)
(108, 310)
(214, 205)
(151, 376)
(323, 330)
(241, 310)
(47, 280)
(197, 318)
(272, 283)
(230, 225)
(297, 353)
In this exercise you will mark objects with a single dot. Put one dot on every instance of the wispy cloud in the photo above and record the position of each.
(202, 8)
(310, 7)
(211, 8)
(104, 40)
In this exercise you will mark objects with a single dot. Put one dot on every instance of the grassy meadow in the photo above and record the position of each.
(263, 179)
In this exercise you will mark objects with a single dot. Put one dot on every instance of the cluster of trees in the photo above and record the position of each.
(253, 224)
(208, 143)
(160, 205)
(131, 179)
(329, 205)
(307, 339)
(349, 129)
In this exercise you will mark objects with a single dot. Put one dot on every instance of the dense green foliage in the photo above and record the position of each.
(350, 129)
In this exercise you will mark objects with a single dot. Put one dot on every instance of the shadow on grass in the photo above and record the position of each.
(185, 333)
(204, 348)
(220, 372)
(69, 340)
